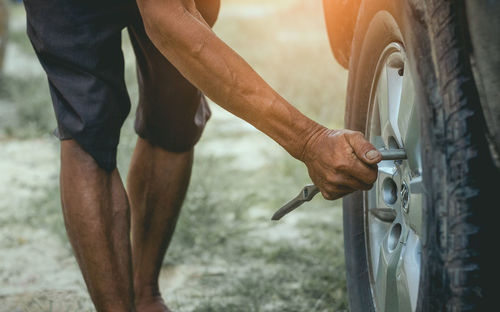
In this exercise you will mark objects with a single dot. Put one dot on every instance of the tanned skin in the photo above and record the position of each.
(122, 273)
(339, 162)
(156, 183)
(96, 214)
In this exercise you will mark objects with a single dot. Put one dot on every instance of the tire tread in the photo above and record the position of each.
(466, 157)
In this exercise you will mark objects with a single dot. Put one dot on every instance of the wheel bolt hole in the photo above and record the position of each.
(390, 191)
(394, 237)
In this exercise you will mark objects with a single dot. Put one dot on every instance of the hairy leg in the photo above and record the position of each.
(96, 214)
(157, 184)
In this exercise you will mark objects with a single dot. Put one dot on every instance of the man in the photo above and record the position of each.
(78, 44)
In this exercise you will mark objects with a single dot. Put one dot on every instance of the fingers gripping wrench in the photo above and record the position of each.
(309, 191)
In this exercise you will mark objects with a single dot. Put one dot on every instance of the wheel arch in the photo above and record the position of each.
(340, 18)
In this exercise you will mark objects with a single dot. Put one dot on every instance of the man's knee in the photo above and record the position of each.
(170, 139)
(174, 123)
(73, 155)
(171, 136)
(160, 15)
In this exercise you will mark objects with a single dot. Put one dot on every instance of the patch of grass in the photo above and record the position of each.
(47, 302)
(41, 212)
(20, 39)
(34, 115)
(31, 114)
(254, 273)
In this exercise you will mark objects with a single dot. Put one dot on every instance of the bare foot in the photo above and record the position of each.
(155, 304)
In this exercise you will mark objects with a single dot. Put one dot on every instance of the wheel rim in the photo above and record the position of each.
(393, 207)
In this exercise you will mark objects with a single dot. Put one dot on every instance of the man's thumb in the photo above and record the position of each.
(364, 150)
(372, 155)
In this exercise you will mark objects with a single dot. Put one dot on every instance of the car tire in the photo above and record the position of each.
(457, 167)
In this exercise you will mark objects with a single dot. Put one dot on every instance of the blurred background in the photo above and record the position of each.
(226, 254)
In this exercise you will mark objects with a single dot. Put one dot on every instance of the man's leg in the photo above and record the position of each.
(171, 115)
(96, 214)
(157, 184)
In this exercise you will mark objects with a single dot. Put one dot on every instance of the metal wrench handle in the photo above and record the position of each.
(306, 194)
(309, 191)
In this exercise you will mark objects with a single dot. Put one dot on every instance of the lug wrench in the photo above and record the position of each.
(309, 191)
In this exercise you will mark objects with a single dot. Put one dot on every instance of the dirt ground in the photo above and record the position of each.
(226, 254)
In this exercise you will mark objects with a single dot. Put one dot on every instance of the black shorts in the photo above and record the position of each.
(78, 43)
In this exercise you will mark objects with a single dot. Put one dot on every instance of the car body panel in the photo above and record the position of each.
(340, 17)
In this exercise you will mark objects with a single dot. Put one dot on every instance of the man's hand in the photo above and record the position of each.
(341, 162)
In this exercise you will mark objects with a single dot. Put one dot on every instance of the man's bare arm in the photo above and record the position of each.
(179, 32)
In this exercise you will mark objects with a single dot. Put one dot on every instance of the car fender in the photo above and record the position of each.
(340, 18)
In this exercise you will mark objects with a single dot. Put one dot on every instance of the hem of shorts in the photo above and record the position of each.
(166, 148)
(105, 158)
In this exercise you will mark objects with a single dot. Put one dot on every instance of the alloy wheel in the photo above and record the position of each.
(393, 207)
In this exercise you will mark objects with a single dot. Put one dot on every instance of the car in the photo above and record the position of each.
(3, 31)
(423, 76)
